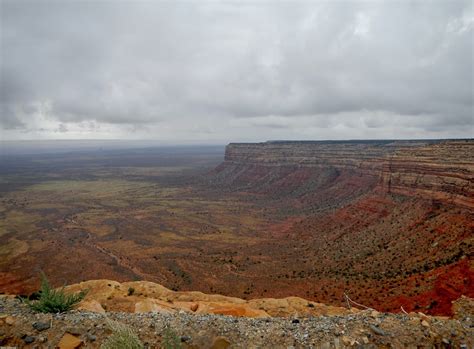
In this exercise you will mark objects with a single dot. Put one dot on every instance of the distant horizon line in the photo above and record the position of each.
(226, 142)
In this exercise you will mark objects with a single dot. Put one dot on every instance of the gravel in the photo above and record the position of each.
(202, 331)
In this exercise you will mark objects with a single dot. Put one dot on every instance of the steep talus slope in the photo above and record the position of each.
(315, 175)
(389, 252)
(391, 223)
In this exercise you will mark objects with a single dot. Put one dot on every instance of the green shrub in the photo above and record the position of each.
(131, 291)
(171, 340)
(122, 337)
(52, 300)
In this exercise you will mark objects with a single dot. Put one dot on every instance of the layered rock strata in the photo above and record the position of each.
(438, 170)
(443, 171)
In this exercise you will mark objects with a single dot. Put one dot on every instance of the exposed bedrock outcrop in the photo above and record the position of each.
(357, 155)
(443, 171)
(438, 170)
(143, 296)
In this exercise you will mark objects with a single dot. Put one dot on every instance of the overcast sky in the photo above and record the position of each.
(216, 72)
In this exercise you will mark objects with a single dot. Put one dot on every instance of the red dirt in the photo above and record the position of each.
(332, 221)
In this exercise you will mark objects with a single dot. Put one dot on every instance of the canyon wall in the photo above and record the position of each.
(438, 170)
(442, 171)
(358, 155)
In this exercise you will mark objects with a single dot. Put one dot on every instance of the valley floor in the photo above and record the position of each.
(190, 222)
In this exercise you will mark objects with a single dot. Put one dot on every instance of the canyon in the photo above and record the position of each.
(393, 217)
(387, 223)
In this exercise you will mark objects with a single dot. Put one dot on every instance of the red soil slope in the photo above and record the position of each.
(390, 224)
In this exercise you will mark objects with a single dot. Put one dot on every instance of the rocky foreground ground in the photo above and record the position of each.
(181, 323)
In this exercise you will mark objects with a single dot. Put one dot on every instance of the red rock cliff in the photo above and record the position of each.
(443, 171)
(438, 170)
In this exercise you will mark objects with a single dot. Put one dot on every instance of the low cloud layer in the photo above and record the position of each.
(230, 71)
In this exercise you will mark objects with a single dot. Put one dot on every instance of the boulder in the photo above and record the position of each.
(153, 305)
(68, 341)
(91, 305)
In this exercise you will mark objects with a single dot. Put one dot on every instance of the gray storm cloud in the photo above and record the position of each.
(221, 71)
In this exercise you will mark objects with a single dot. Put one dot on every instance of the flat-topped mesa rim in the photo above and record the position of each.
(357, 141)
(431, 169)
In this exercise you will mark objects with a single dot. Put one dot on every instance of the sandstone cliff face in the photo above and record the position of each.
(443, 171)
(439, 170)
(364, 155)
